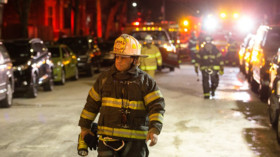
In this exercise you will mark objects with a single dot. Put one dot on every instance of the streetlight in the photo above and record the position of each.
(134, 4)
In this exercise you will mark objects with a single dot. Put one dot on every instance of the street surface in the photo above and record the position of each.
(233, 124)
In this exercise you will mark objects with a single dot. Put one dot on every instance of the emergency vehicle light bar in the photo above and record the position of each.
(148, 28)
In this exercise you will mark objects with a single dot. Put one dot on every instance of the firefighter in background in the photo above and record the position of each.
(231, 57)
(151, 63)
(211, 65)
(193, 46)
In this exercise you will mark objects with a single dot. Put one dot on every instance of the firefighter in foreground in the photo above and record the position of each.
(209, 59)
(130, 104)
(154, 59)
(193, 47)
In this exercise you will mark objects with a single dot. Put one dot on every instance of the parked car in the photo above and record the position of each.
(242, 51)
(265, 47)
(248, 58)
(87, 51)
(106, 47)
(65, 63)
(6, 78)
(274, 98)
(32, 65)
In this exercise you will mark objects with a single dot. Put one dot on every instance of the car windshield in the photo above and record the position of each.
(17, 51)
(54, 51)
(78, 45)
(157, 35)
(272, 42)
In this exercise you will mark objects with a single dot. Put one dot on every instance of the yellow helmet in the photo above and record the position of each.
(148, 39)
(127, 45)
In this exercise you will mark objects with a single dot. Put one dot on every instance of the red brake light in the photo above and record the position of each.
(135, 23)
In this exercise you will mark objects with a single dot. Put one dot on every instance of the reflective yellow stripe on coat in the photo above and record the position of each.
(112, 102)
(156, 117)
(152, 96)
(148, 67)
(159, 59)
(88, 115)
(94, 95)
(119, 132)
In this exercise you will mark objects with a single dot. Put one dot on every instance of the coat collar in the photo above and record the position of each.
(126, 75)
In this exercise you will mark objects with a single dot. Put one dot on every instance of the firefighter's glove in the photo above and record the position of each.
(91, 141)
(91, 138)
(196, 69)
(153, 136)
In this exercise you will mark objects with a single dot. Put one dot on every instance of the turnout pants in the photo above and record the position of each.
(137, 148)
(209, 85)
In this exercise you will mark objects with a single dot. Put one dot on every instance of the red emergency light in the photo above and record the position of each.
(136, 23)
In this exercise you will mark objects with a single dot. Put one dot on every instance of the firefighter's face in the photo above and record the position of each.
(123, 63)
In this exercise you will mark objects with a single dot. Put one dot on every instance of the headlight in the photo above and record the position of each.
(22, 67)
(58, 64)
(210, 24)
(169, 47)
(245, 24)
(278, 88)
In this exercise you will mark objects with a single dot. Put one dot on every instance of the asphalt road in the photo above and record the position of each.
(232, 124)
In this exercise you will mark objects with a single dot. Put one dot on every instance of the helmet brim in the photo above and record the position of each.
(121, 54)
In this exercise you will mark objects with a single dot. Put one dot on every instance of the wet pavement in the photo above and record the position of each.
(232, 124)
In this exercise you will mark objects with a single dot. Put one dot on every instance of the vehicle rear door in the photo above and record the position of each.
(3, 67)
(40, 58)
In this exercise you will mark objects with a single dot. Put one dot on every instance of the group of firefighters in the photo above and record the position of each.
(129, 103)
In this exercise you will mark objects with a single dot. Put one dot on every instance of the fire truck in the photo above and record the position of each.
(161, 38)
(226, 29)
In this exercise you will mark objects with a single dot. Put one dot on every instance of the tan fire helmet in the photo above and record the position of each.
(148, 39)
(127, 45)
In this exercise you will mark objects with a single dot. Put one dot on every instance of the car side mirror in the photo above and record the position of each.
(35, 54)
(275, 59)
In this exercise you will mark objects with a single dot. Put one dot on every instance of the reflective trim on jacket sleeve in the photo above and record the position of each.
(159, 60)
(216, 67)
(156, 117)
(148, 67)
(124, 133)
(94, 95)
(205, 57)
(112, 102)
(219, 55)
(88, 115)
(152, 96)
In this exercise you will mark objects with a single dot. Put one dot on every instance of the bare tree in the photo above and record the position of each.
(116, 14)
(22, 8)
(75, 7)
